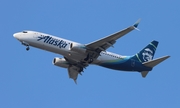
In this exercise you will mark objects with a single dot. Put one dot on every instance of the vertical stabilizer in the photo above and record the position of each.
(147, 53)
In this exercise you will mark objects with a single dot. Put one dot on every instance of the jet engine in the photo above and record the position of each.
(77, 47)
(61, 62)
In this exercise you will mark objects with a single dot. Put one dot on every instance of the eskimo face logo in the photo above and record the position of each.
(147, 54)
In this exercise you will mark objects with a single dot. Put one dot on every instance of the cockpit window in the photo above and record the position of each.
(24, 31)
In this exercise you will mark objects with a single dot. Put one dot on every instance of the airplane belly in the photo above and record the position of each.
(124, 66)
(76, 56)
(128, 65)
(36, 45)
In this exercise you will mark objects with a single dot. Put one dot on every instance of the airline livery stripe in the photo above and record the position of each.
(138, 57)
(153, 45)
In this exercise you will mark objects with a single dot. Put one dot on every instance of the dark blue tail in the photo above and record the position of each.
(147, 53)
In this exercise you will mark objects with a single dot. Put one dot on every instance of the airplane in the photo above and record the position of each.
(77, 56)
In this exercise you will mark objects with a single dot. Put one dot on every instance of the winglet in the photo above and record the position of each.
(137, 23)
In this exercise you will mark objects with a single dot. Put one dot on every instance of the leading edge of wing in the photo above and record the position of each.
(94, 45)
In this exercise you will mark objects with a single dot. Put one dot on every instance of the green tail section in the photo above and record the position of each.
(147, 53)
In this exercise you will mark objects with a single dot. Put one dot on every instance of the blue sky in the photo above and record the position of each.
(29, 80)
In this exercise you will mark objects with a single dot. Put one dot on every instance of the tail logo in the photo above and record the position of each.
(147, 54)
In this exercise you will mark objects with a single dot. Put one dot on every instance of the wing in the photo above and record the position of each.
(73, 73)
(93, 51)
(105, 43)
(75, 68)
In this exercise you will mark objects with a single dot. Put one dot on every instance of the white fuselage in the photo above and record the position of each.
(60, 46)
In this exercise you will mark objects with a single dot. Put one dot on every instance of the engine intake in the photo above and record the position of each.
(78, 47)
(61, 62)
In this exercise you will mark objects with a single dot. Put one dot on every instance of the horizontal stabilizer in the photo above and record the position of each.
(144, 73)
(154, 62)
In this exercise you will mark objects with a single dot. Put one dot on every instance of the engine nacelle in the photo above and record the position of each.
(77, 47)
(61, 62)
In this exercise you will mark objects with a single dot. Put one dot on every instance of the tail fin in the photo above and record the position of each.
(147, 53)
(153, 63)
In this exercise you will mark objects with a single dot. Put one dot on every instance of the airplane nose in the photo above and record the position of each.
(15, 35)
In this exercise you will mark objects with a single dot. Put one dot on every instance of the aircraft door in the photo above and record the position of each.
(35, 35)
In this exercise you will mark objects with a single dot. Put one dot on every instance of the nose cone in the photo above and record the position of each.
(16, 35)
